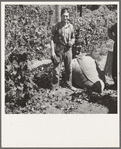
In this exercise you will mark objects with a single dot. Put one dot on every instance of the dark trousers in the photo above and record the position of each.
(66, 56)
(114, 64)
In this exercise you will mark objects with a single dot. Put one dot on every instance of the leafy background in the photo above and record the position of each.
(27, 38)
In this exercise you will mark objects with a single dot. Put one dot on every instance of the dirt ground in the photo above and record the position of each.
(65, 101)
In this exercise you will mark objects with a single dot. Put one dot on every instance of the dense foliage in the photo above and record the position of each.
(27, 37)
(92, 28)
(28, 27)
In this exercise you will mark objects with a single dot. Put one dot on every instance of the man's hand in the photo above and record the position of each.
(55, 59)
(53, 55)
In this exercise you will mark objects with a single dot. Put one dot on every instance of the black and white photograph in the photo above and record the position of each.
(60, 59)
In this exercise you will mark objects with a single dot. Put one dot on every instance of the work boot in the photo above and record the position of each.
(71, 87)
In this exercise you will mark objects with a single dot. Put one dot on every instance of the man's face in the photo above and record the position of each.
(65, 17)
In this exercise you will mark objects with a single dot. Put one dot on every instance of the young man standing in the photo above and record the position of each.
(61, 49)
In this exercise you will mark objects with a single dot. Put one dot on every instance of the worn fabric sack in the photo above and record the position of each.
(85, 74)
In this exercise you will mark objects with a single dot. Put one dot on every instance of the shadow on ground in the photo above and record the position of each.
(106, 100)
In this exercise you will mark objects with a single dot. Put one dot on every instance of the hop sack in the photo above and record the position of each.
(86, 74)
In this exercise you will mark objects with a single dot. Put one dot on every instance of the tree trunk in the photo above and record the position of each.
(80, 10)
(57, 13)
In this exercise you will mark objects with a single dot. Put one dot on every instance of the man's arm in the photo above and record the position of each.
(73, 36)
(72, 40)
(52, 43)
(52, 48)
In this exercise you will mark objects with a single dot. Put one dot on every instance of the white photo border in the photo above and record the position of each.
(57, 130)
